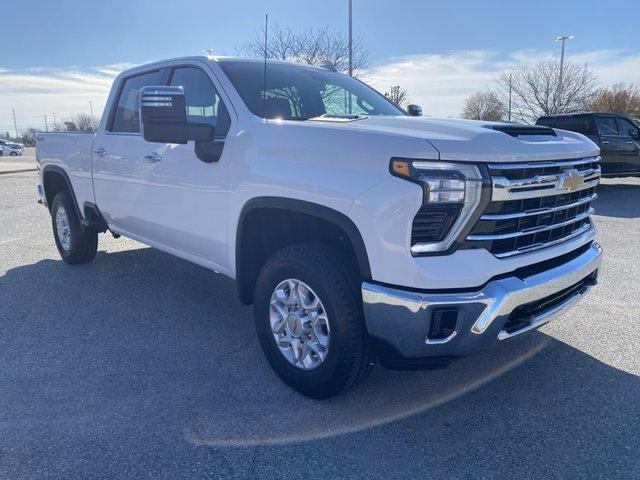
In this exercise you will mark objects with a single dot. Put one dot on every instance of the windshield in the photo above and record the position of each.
(296, 92)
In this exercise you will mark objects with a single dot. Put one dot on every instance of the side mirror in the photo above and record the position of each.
(414, 110)
(163, 117)
(633, 133)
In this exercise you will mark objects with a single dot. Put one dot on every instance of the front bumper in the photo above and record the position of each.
(503, 308)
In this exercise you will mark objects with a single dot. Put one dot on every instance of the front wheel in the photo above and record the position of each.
(13, 154)
(75, 243)
(309, 320)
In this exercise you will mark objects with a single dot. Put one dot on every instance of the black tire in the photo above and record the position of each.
(83, 242)
(349, 358)
(13, 154)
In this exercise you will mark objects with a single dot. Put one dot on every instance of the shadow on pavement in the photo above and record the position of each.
(618, 199)
(140, 343)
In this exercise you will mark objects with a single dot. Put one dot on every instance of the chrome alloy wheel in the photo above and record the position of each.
(299, 324)
(63, 229)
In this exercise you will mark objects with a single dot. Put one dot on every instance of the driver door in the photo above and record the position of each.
(188, 196)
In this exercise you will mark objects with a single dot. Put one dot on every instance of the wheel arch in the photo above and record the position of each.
(249, 261)
(55, 179)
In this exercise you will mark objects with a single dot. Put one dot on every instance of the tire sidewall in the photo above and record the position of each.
(61, 200)
(291, 266)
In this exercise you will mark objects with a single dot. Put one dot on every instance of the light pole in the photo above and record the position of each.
(91, 110)
(15, 125)
(350, 39)
(562, 39)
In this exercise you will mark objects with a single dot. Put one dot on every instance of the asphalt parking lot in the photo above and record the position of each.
(141, 365)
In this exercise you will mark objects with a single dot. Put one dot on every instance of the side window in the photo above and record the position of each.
(127, 118)
(627, 128)
(204, 104)
(607, 126)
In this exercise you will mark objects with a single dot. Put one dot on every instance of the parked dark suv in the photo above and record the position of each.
(617, 136)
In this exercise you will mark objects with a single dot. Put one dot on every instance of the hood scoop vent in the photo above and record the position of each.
(523, 130)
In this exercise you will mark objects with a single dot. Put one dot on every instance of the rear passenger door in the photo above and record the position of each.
(631, 138)
(612, 145)
(118, 163)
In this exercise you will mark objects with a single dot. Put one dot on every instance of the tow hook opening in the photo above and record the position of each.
(443, 324)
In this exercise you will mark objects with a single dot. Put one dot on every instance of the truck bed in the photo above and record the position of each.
(71, 152)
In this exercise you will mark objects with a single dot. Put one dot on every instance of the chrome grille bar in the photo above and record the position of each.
(561, 163)
(539, 186)
(537, 246)
(538, 211)
(530, 231)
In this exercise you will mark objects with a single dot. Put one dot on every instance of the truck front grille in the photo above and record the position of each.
(536, 205)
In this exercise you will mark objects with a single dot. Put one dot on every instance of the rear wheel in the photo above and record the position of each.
(75, 243)
(309, 321)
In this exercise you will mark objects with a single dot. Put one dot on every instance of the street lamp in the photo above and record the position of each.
(561, 39)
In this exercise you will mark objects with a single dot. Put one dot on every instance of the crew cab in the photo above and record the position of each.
(358, 232)
(618, 137)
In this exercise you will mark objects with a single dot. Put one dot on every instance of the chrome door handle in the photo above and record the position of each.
(152, 157)
(605, 142)
(101, 152)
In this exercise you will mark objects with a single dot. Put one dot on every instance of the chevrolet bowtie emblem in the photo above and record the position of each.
(571, 180)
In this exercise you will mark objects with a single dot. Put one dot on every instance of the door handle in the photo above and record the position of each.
(101, 152)
(605, 142)
(152, 157)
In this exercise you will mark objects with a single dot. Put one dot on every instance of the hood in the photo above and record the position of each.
(478, 141)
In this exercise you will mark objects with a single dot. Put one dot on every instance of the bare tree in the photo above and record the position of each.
(619, 98)
(535, 89)
(483, 106)
(397, 95)
(314, 46)
(81, 122)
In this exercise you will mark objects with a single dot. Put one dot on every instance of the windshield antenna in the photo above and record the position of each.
(264, 79)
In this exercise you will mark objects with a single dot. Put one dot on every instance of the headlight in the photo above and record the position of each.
(451, 195)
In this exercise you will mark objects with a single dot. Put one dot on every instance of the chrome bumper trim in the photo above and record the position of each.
(402, 317)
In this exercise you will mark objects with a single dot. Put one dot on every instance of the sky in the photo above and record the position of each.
(59, 55)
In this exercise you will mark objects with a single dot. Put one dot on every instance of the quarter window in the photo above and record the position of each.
(203, 102)
(127, 116)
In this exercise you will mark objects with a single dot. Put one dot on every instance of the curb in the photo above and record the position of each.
(18, 171)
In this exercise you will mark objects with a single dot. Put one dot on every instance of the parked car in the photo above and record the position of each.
(357, 232)
(618, 137)
(11, 148)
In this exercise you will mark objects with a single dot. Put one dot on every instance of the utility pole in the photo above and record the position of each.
(54, 120)
(46, 126)
(562, 39)
(15, 125)
(510, 85)
(91, 110)
(350, 38)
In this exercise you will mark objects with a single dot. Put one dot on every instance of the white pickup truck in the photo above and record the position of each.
(357, 231)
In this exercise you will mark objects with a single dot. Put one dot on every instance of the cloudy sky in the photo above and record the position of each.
(66, 53)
